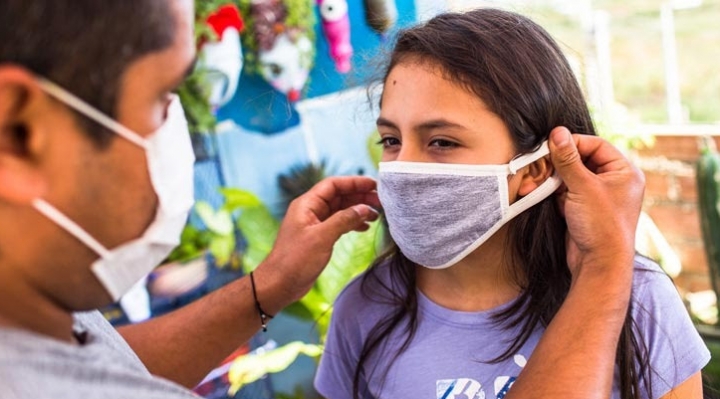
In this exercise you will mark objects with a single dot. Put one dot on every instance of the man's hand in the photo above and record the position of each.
(601, 201)
(309, 230)
(186, 344)
(601, 198)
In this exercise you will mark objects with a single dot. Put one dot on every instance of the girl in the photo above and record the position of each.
(481, 263)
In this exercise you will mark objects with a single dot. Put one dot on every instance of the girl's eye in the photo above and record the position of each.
(443, 143)
(387, 142)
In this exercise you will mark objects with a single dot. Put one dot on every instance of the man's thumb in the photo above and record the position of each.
(566, 158)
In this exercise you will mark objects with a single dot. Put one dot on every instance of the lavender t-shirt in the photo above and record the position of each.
(446, 357)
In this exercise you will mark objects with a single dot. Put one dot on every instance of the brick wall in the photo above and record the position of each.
(671, 201)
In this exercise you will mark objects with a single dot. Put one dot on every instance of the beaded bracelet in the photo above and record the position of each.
(264, 317)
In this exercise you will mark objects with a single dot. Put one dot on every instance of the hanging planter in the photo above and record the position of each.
(222, 59)
(213, 18)
(280, 42)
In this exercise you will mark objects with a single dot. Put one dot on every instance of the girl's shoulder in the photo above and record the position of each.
(650, 279)
(675, 349)
(369, 293)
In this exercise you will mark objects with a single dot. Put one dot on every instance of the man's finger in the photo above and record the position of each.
(599, 155)
(566, 158)
(333, 187)
(336, 193)
(370, 199)
(346, 220)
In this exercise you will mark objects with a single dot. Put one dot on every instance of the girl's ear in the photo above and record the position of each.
(534, 175)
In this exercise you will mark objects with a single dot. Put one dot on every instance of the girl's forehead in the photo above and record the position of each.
(423, 90)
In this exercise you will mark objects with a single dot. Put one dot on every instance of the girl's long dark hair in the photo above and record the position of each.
(520, 73)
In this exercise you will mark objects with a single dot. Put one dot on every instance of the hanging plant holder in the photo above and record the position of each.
(279, 42)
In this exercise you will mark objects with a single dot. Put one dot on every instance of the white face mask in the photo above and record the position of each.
(170, 161)
(438, 213)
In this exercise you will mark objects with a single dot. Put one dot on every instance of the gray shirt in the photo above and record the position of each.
(33, 366)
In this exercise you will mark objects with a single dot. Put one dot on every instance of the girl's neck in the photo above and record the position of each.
(479, 282)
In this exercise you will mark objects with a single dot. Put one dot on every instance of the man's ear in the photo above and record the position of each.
(534, 175)
(21, 136)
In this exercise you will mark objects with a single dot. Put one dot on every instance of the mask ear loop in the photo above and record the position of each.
(524, 160)
(545, 189)
(86, 109)
(71, 227)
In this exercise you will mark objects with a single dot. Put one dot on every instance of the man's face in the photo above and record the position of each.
(106, 191)
(143, 98)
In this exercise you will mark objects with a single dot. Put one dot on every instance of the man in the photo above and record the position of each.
(92, 190)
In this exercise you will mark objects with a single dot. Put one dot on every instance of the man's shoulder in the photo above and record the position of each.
(42, 379)
(35, 366)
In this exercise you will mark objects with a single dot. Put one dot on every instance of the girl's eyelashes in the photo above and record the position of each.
(443, 144)
(388, 142)
(438, 144)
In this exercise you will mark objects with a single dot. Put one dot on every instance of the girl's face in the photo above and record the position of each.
(425, 117)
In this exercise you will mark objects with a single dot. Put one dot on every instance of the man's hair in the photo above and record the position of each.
(84, 46)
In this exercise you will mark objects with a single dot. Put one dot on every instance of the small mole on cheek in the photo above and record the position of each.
(394, 82)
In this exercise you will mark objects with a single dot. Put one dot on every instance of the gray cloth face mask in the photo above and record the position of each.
(438, 213)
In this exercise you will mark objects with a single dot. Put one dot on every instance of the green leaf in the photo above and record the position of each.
(315, 308)
(251, 367)
(221, 248)
(260, 229)
(298, 310)
(352, 254)
(239, 199)
(255, 223)
(375, 150)
(194, 95)
(298, 393)
(192, 243)
(219, 222)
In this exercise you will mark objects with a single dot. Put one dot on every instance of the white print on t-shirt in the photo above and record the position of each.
(467, 388)
(503, 383)
(460, 388)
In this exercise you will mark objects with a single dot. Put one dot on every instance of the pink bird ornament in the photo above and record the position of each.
(336, 26)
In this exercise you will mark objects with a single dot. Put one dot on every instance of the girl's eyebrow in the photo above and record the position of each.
(385, 123)
(423, 127)
(438, 124)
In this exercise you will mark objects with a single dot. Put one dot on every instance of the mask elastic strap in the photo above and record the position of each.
(71, 227)
(521, 161)
(543, 191)
(86, 109)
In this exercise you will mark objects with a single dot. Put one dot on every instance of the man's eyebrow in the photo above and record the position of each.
(190, 68)
(188, 71)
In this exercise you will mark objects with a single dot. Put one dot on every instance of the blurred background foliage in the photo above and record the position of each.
(637, 53)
